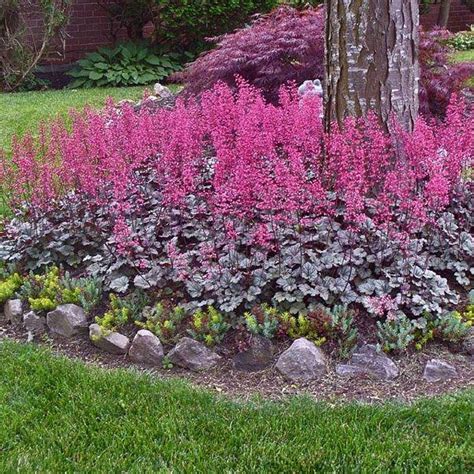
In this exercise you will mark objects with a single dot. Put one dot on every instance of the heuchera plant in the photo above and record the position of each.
(287, 45)
(234, 201)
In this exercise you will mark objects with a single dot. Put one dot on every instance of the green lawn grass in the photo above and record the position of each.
(464, 56)
(58, 415)
(22, 112)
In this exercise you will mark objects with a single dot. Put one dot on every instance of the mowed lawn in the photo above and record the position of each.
(21, 112)
(58, 415)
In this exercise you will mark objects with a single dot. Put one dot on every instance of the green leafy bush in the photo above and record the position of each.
(118, 315)
(122, 310)
(395, 334)
(209, 326)
(463, 41)
(164, 320)
(451, 327)
(126, 65)
(184, 24)
(399, 333)
(308, 325)
(342, 329)
(9, 286)
(263, 320)
(47, 291)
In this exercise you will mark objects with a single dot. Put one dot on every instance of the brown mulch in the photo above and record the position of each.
(270, 384)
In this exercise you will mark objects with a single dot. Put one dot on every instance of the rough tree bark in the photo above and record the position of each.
(443, 15)
(372, 60)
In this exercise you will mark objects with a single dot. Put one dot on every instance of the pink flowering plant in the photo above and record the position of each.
(232, 201)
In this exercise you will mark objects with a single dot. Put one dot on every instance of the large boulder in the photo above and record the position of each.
(146, 348)
(302, 362)
(162, 91)
(437, 370)
(258, 356)
(67, 320)
(112, 342)
(193, 355)
(367, 360)
(13, 311)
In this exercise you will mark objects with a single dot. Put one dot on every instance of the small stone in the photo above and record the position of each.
(13, 311)
(162, 91)
(366, 360)
(193, 355)
(34, 323)
(303, 361)
(67, 320)
(258, 356)
(437, 370)
(146, 348)
(468, 343)
(112, 342)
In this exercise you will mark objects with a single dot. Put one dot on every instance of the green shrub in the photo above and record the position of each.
(398, 334)
(9, 285)
(263, 320)
(182, 24)
(395, 334)
(126, 65)
(209, 326)
(343, 330)
(451, 327)
(463, 41)
(303, 325)
(118, 315)
(46, 292)
(164, 320)
(122, 310)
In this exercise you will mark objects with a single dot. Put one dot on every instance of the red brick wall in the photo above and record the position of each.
(89, 27)
(460, 18)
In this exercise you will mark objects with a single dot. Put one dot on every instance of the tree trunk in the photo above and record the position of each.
(443, 15)
(372, 60)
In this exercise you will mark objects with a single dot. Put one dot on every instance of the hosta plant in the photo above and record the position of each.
(125, 65)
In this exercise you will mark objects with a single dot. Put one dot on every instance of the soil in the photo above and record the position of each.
(269, 383)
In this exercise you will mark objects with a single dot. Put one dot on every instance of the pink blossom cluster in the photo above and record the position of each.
(247, 160)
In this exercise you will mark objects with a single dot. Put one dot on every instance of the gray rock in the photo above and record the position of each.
(193, 355)
(146, 348)
(258, 356)
(468, 343)
(162, 91)
(67, 320)
(112, 342)
(303, 361)
(34, 323)
(366, 360)
(437, 370)
(13, 311)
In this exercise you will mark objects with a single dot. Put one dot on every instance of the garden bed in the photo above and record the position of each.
(269, 383)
